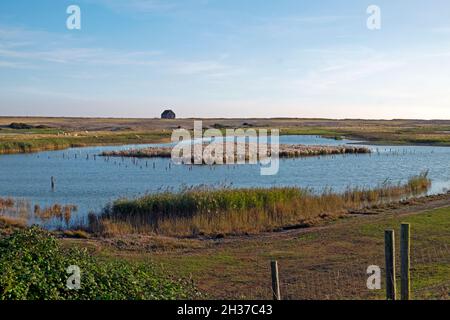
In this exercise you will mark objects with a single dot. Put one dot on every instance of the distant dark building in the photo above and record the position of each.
(168, 114)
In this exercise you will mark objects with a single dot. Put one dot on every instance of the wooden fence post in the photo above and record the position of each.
(389, 252)
(275, 280)
(405, 261)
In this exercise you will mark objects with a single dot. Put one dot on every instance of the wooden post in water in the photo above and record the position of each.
(405, 261)
(389, 252)
(52, 182)
(275, 280)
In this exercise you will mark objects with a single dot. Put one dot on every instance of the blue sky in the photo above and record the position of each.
(226, 58)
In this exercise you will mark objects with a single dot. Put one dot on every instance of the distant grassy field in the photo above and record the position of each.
(98, 131)
(25, 142)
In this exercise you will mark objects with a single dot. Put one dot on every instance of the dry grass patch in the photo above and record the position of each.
(80, 234)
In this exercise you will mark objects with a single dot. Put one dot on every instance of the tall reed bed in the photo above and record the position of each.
(6, 203)
(23, 211)
(56, 211)
(198, 211)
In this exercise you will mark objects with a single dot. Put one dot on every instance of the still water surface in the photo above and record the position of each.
(91, 184)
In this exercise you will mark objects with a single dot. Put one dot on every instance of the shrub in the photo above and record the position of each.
(33, 266)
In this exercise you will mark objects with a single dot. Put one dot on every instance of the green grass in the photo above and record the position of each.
(196, 264)
(31, 131)
(438, 219)
(315, 131)
(33, 267)
(425, 276)
(430, 233)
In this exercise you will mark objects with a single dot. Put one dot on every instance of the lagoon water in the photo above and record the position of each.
(91, 184)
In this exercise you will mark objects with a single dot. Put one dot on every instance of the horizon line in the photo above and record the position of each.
(225, 118)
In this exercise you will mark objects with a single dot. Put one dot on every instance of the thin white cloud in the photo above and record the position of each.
(14, 65)
(26, 47)
(22, 48)
(320, 19)
(96, 56)
(209, 68)
(139, 6)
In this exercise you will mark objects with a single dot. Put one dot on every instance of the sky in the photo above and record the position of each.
(226, 58)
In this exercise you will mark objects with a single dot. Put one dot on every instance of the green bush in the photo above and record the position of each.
(33, 266)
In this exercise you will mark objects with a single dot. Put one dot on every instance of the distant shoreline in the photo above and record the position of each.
(47, 133)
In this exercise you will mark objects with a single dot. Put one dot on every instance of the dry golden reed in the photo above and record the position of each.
(200, 211)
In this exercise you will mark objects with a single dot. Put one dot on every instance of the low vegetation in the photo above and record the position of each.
(33, 266)
(6, 203)
(40, 140)
(22, 210)
(10, 224)
(56, 211)
(251, 151)
(200, 211)
(399, 132)
(25, 126)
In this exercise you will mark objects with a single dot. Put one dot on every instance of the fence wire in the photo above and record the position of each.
(345, 281)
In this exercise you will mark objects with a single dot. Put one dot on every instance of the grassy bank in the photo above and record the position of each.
(25, 143)
(201, 211)
(381, 134)
(33, 266)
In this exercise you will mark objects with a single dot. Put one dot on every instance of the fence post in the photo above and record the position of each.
(405, 261)
(389, 252)
(275, 280)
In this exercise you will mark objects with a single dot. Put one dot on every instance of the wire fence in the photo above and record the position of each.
(345, 280)
(430, 278)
